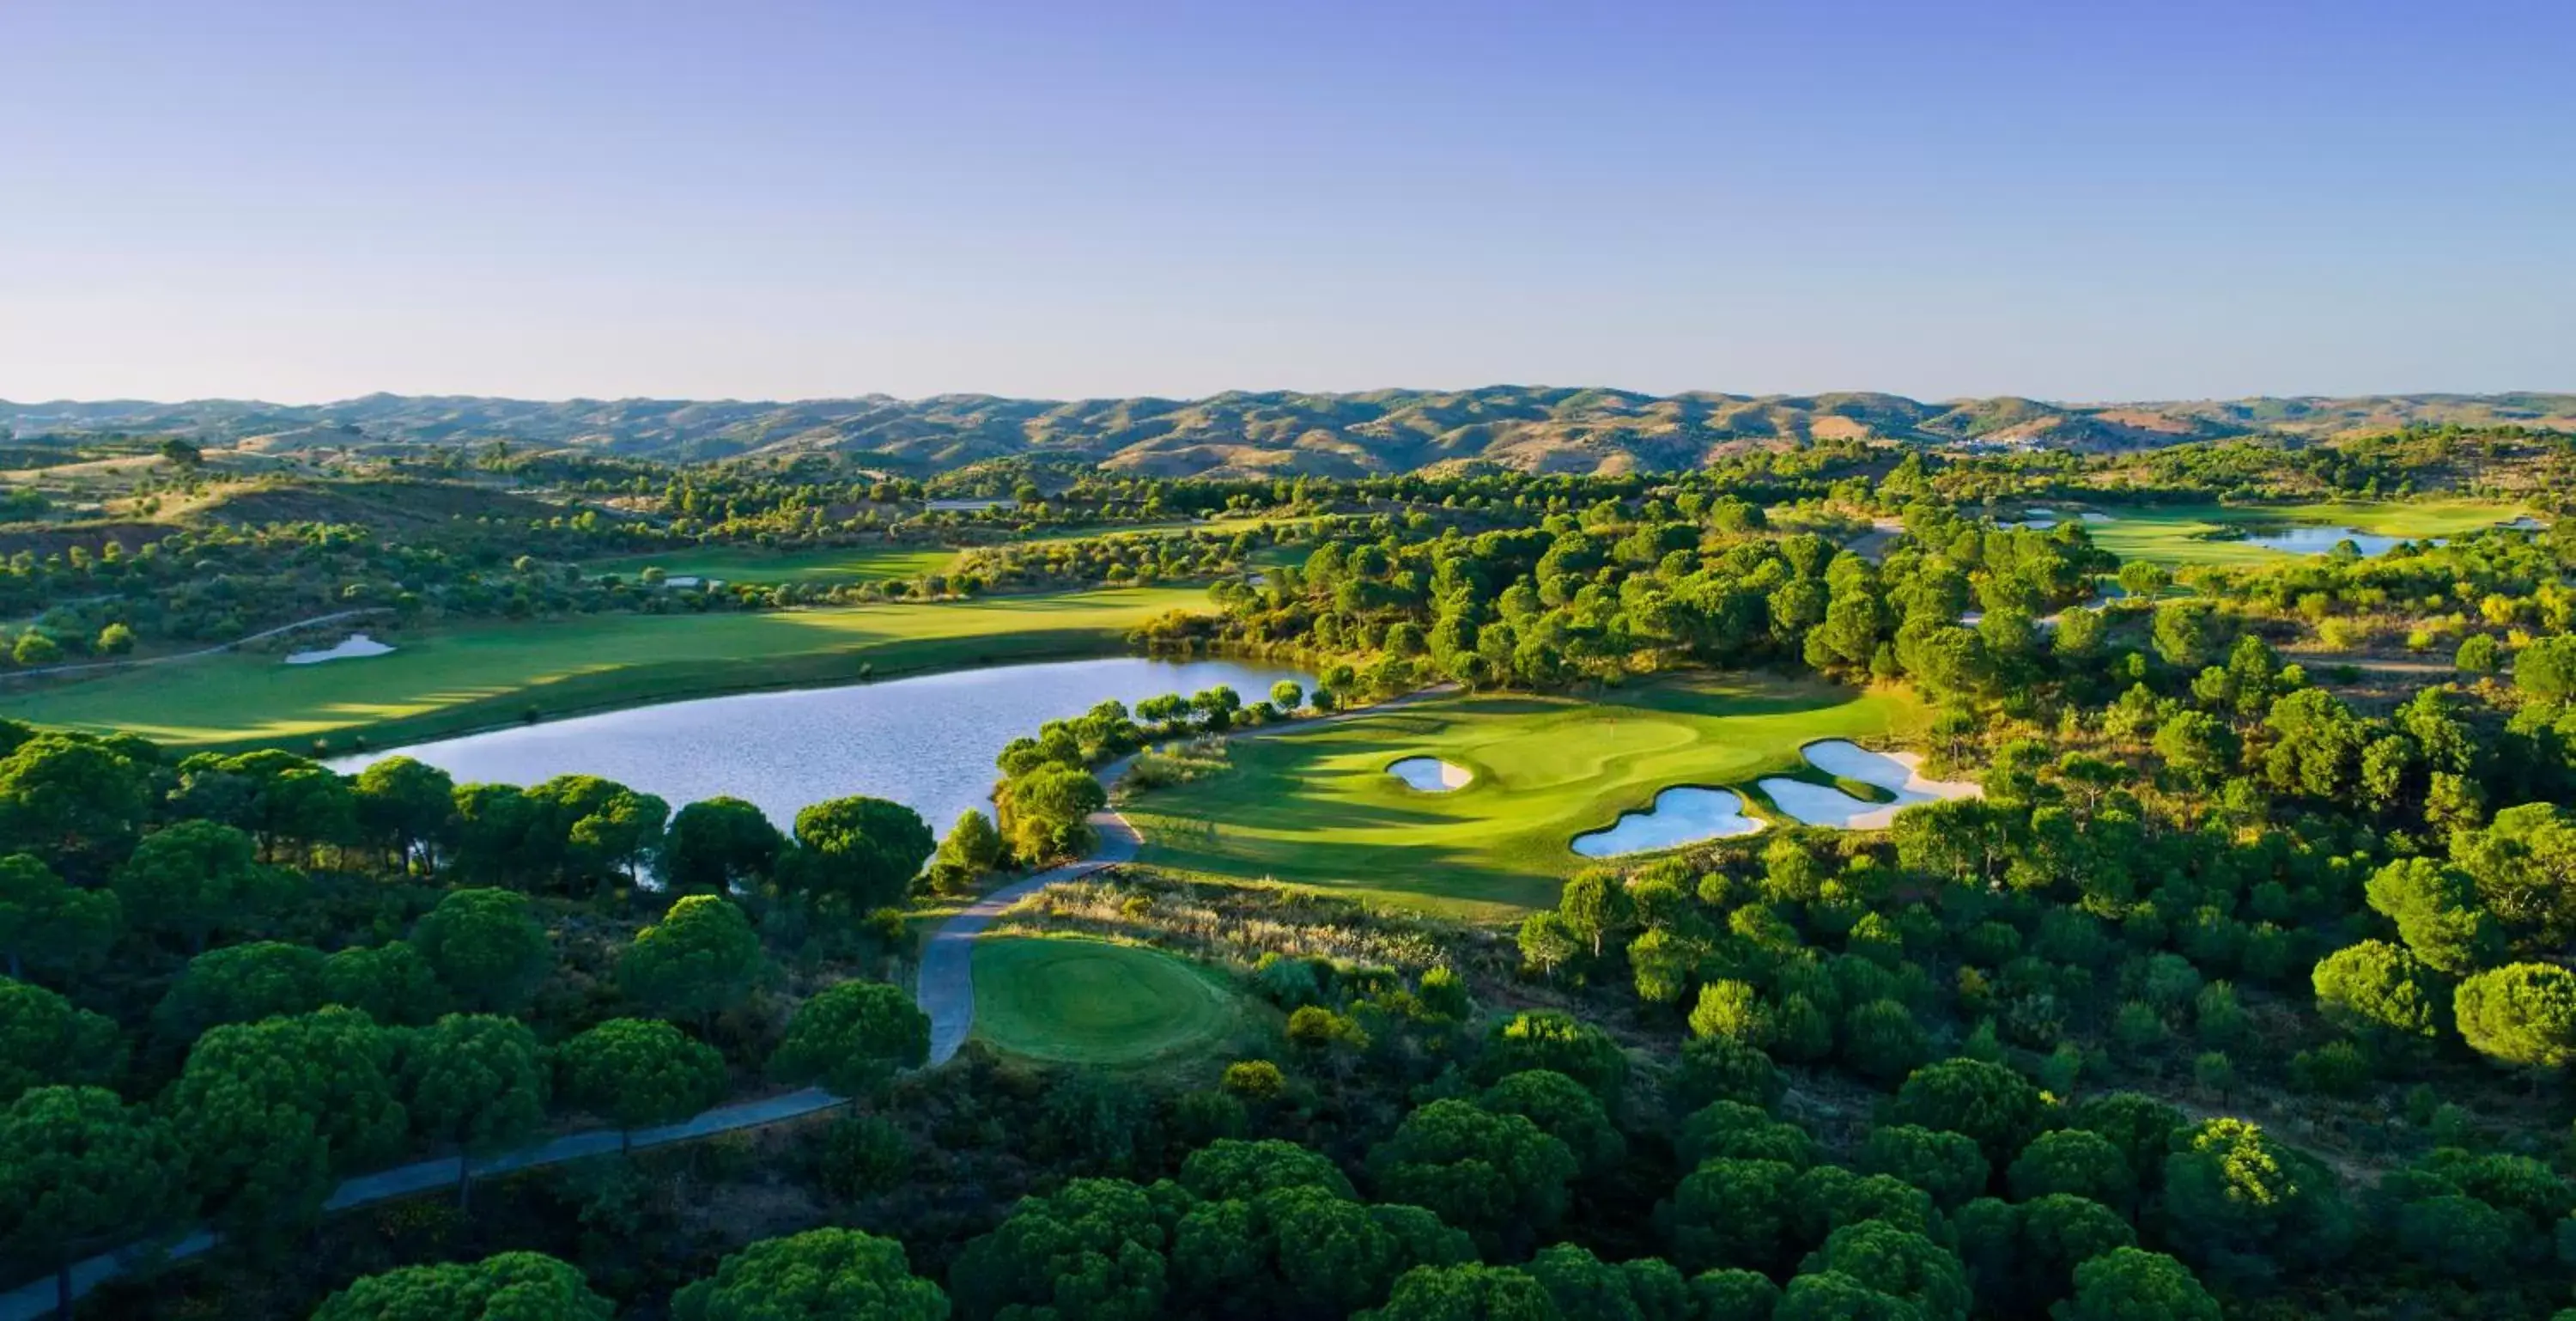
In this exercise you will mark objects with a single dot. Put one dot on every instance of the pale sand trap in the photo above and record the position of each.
(1899, 773)
(1430, 774)
(1681, 815)
(2041, 520)
(351, 647)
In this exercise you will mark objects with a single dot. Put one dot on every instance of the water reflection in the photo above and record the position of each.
(926, 742)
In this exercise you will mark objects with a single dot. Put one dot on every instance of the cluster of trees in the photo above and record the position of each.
(2484, 596)
(1975, 1194)
(2107, 904)
(1135, 558)
(817, 500)
(100, 591)
(299, 1069)
(818, 1274)
(207, 843)
(236, 980)
(219, 581)
(1048, 789)
(1685, 577)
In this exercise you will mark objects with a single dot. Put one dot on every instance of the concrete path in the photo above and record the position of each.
(86, 667)
(36, 1298)
(945, 985)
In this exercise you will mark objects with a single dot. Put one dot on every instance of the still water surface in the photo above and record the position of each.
(2321, 540)
(927, 742)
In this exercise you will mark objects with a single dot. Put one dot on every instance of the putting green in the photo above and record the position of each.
(1316, 806)
(2180, 534)
(448, 680)
(1079, 1001)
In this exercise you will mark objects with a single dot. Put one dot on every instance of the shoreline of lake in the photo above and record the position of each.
(926, 740)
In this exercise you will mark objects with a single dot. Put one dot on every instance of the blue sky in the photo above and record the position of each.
(302, 200)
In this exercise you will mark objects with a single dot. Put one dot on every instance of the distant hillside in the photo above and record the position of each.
(1241, 434)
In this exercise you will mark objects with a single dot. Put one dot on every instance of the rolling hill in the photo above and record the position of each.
(1270, 432)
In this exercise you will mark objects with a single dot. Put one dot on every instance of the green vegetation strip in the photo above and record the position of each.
(754, 565)
(1078, 1001)
(1316, 807)
(448, 681)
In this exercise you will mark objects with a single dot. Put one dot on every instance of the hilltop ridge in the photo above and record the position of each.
(1249, 433)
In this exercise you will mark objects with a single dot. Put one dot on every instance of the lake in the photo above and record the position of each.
(926, 742)
(2321, 540)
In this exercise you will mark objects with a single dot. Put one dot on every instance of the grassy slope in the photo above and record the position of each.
(1092, 1002)
(2174, 533)
(848, 563)
(449, 680)
(1316, 807)
(751, 564)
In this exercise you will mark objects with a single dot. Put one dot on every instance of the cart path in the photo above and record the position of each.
(945, 985)
(87, 667)
(36, 1298)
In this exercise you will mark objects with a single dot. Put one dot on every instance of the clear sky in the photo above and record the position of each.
(308, 199)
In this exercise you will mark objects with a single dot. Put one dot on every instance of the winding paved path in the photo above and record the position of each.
(218, 649)
(945, 986)
(36, 1298)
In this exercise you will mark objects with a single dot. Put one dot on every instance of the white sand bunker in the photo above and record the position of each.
(2041, 520)
(1430, 774)
(352, 646)
(1899, 773)
(1681, 815)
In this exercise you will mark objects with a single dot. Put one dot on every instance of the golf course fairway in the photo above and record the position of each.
(754, 565)
(441, 681)
(1077, 1001)
(2180, 534)
(1316, 806)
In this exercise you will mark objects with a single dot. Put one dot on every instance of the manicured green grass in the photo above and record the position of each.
(2177, 534)
(752, 564)
(1078, 1001)
(1220, 526)
(1316, 806)
(444, 681)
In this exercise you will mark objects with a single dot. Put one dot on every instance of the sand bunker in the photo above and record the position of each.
(1681, 815)
(1899, 773)
(1430, 774)
(350, 648)
(2041, 520)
